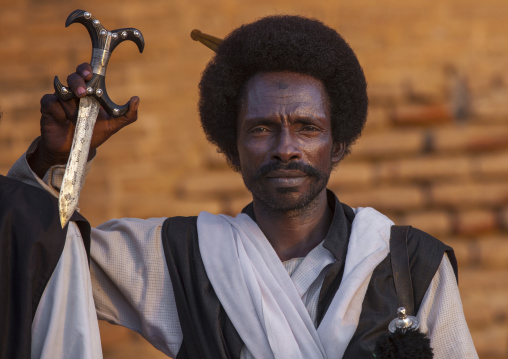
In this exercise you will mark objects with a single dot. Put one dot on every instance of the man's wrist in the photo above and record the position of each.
(40, 161)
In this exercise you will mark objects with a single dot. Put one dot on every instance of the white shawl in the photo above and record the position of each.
(260, 298)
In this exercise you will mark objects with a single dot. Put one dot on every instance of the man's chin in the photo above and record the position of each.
(287, 199)
(286, 190)
(283, 197)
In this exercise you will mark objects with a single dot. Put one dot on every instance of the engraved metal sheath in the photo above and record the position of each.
(75, 170)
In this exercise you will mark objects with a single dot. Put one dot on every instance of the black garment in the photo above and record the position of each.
(31, 243)
(209, 333)
(207, 330)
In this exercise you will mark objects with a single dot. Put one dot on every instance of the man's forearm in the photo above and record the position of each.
(33, 172)
(39, 163)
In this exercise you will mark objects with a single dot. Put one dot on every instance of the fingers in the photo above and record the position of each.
(85, 70)
(70, 108)
(77, 80)
(77, 84)
(50, 106)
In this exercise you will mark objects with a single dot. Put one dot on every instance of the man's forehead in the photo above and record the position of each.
(270, 90)
(281, 80)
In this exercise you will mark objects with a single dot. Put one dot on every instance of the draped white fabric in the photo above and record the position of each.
(263, 303)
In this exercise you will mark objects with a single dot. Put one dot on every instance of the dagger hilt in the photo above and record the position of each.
(103, 44)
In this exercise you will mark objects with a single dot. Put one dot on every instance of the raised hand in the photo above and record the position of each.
(58, 120)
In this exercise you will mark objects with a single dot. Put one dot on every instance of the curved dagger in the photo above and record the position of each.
(103, 44)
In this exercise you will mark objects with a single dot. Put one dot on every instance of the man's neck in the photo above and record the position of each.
(294, 234)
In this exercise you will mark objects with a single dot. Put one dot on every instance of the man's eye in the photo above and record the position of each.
(310, 128)
(259, 129)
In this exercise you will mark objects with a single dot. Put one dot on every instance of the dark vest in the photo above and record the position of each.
(207, 330)
(31, 242)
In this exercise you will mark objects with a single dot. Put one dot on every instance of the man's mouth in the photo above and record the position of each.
(286, 178)
(285, 174)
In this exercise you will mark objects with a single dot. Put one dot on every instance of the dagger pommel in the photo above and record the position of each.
(209, 41)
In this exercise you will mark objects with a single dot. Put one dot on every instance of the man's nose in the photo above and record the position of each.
(286, 147)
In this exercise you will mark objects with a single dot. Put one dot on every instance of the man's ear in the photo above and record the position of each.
(338, 151)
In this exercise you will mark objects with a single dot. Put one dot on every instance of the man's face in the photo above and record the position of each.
(284, 139)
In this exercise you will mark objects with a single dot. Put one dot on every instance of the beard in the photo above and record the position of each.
(287, 199)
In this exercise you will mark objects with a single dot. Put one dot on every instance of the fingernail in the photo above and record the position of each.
(86, 73)
(81, 91)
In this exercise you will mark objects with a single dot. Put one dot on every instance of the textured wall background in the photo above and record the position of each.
(434, 153)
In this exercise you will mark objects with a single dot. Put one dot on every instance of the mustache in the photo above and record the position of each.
(295, 166)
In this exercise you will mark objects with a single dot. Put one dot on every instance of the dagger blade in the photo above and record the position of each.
(76, 165)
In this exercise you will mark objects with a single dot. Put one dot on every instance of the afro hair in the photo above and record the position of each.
(282, 43)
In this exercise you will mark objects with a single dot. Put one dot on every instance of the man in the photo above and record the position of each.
(297, 274)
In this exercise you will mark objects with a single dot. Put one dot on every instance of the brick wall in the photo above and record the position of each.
(420, 160)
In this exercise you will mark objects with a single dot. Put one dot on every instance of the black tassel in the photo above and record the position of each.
(402, 344)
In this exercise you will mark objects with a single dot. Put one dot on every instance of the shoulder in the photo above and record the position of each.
(23, 195)
(180, 234)
(425, 256)
(425, 250)
(422, 245)
(21, 203)
(175, 225)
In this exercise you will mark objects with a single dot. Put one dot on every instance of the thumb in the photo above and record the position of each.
(132, 112)
(105, 127)
(129, 117)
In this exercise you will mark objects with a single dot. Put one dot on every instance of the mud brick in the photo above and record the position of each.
(476, 221)
(470, 138)
(482, 251)
(435, 223)
(494, 252)
(8, 157)
(352, 174)
(492, 166)
(491, 341)
(497, 119)
(476, 280)
(119, 342)
(493, 106)
(421, 115)
(503, 218)
(233, 206)
(157, 205)
(460, 195)
(485, 307)
(211, 159)
(144, 180)
(465, 252)
(211, 185)
(383, 93)
(389, 143)
(4, 169)
(16, 100)
(111, 334)
(400, 198)
(429, 168)
(98, 208)
(377, 119)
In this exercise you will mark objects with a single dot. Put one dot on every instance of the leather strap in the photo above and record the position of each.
(400, 268)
